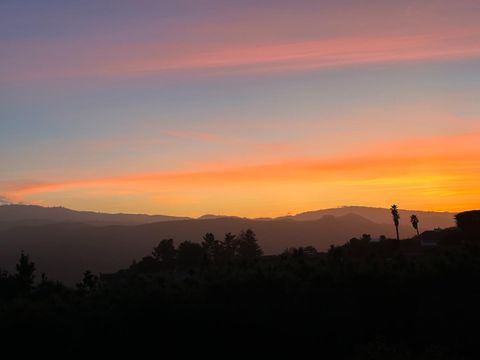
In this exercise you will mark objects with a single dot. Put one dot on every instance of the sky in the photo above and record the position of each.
(249, 108)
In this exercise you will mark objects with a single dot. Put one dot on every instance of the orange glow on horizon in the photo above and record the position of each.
(240, 108)
(426, 174)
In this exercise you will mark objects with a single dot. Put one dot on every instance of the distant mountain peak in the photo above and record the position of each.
(428, 219)
(39, 214)
(27, 214)
(212, 216)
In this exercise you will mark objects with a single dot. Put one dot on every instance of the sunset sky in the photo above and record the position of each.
(250, 108)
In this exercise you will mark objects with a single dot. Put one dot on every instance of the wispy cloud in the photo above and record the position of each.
(297, 36)
(265, 58)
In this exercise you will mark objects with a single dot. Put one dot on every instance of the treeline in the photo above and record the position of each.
(363, 300)
(23, 283)
(165, 257)
(188, 254)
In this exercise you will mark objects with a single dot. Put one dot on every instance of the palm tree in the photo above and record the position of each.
(414, 221)
(396, 218)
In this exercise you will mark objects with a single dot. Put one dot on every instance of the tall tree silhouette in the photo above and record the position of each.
(189, 255)
(25, 272)
(248, 247)
(414, 220)
(396, 218)
(165, 253)
(88, 284)
(211, 247)
(229, 245)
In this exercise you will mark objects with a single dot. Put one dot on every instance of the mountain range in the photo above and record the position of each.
(63, 242)
(15, 215)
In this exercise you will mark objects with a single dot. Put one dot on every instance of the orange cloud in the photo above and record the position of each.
(438, 173)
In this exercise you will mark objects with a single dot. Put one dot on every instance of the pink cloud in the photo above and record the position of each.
(232, 58)
(294, 56)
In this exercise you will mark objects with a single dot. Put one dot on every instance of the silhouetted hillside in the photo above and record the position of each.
(428, 219)
(64, 250)
(107, 242)
(366, 299)
(14, 215)
(17, 215)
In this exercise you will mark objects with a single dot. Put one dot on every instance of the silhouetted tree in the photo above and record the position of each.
(293, 252)
(148, 265)
(275, 297)
(469, 221)
(334, 256)
(396, 218)
(89, 283)
(310, 251)
(414, 221)
(189, 255)
(25, 272)
(301, 252)
(211, 247)
(354, 241)
(47, 287)
(165, 253)
(248, 247)
(229, 247)
(366, 238)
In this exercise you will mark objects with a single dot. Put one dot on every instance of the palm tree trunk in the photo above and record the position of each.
(398, 235)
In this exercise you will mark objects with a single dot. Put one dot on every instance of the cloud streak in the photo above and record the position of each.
(159, 59)
(207, 107)
(421, 167)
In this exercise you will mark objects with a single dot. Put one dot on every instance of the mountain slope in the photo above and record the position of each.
(15, 215)
(32, 214)
(64, 242)
(65, 250)
(428, 219)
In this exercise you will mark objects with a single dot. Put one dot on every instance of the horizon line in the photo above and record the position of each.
(230, 215)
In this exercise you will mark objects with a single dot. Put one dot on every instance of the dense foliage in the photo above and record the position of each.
(365, 300)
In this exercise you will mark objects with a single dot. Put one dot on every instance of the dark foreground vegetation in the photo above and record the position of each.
(388, 299)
